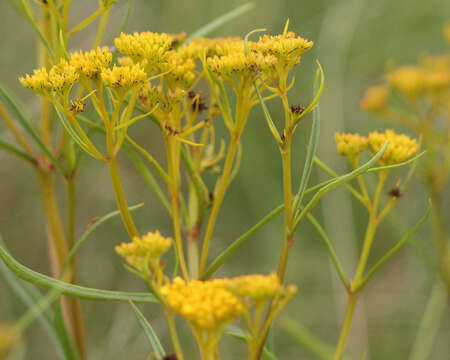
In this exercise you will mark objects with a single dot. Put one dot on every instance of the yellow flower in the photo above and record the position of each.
(180, 70)
(151, 48)
(138, 252)
(91, 63)
(437, 70)
(400, 148)
(60, 78)
(38, 82)
(351, 145)
(124, 78)
(206, 305)
(375, 99)
(409, 80)
(8, 337)
(286, 48)
(447, 32)
(257, 287)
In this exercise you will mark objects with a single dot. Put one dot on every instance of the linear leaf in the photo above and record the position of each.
(230, 250)
(312, 148)
(71, 290)
(392, 252)
(214, 24)
(337, 182)
(153, 338)
(14, 150)
(241, 335)
(13, 105)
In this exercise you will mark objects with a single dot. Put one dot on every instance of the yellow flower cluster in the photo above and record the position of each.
(180, 70)
(91, 63)
(138, 252)
(447, 32)
(400, 148)
(240, 64)
(375, 99)
(351, 145)
(407, 79)
(147, 47)
(205, 304)
(287, 48)
(124, 78)
(8, 337)
(258, 287)
(60, 78)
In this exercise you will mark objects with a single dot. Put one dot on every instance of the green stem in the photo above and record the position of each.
(174, 335)
(345, 327)
(219, 194)
(120, 198)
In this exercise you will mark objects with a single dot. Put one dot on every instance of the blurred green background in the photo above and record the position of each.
(355, 41)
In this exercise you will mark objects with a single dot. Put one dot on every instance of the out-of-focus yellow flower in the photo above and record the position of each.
(141, 249)
(207, 305)
(375, 99)
(400, 148)
(437, 69)
(150, 96)
(8, 338)
(257, 287)
(351, 145)
(124, 78)
(447, 32)
(409, 80)
(91, 63)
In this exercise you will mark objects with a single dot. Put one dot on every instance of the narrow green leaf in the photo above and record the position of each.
(337, 182)
(67, 342)
(241, 335)
(311, 106)
(230, 250)
(73, 134)
(15, 151)
(214, 24)
(35, 25)
(273, 129)
(152, 337)
(71, 290)
(330, 248)
(13, 105)
(87, 233)
(306, 339)
(404, 163)
(148, 177)
(392, 252)
(29, 296)
(312, 148)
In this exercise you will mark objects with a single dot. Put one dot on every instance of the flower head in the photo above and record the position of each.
(375, 99)
(147, 47)
(138, 252)
(60, 79)
(124, 78)
(286, 48)
(207, 305)
(257, 287)
(409, 80)
(400, 147)
(351, 145)
(91, 63)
